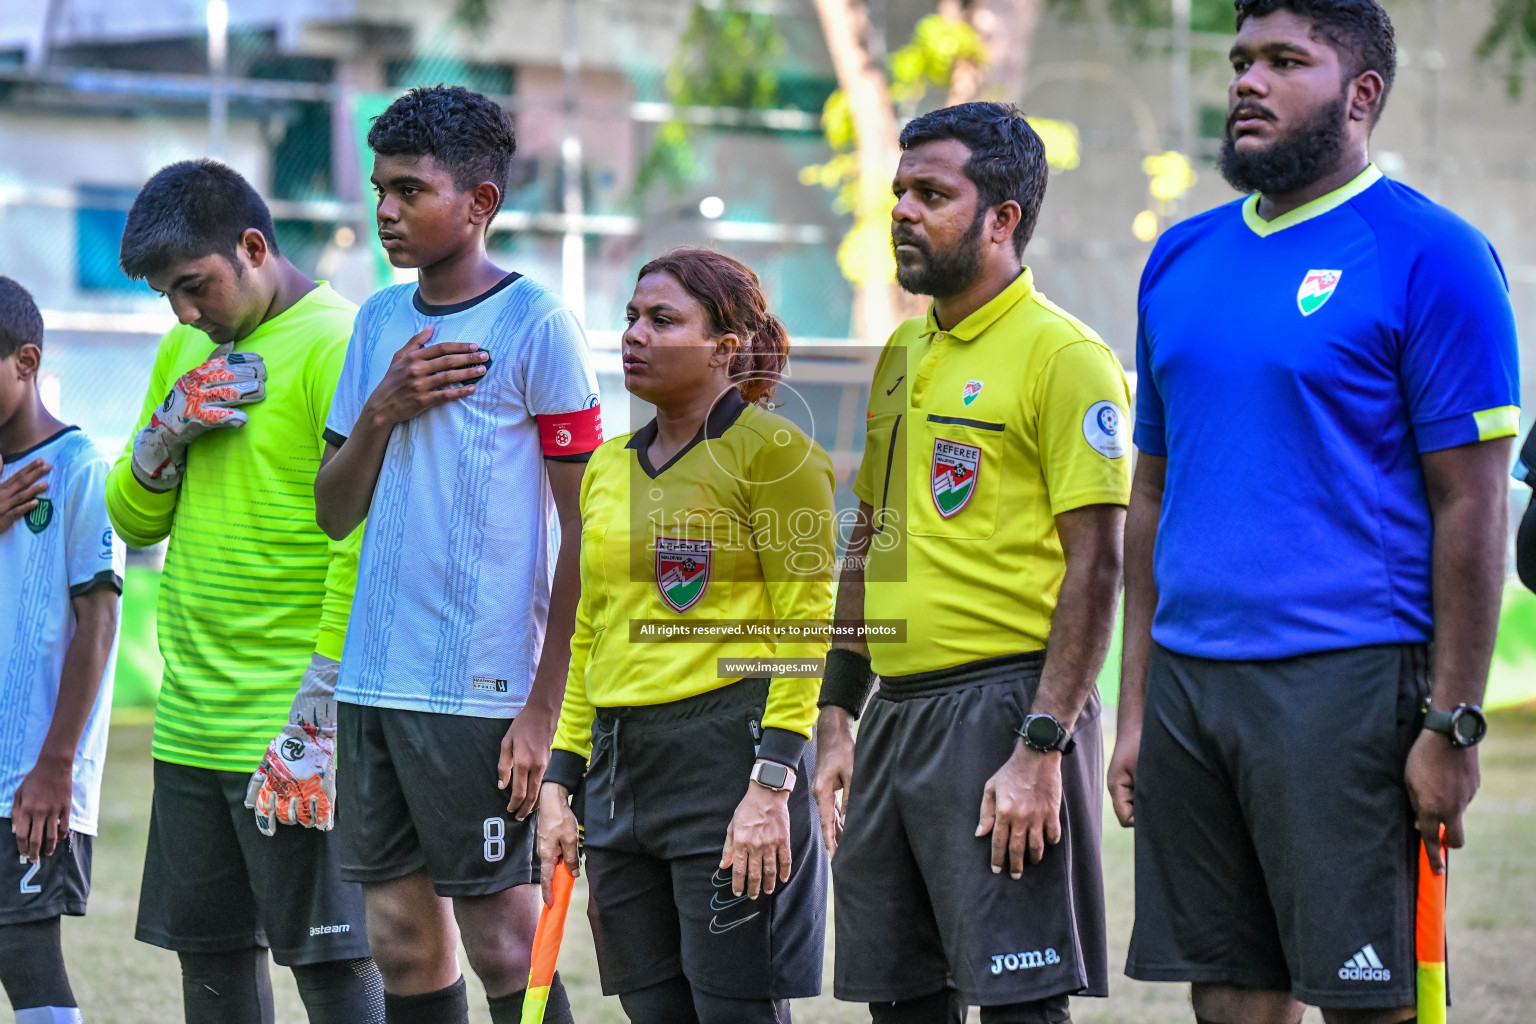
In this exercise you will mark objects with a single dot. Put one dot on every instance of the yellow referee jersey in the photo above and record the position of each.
(977, 438)
(736, 530)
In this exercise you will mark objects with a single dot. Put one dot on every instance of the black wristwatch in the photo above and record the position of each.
(1043, 734)
(1465, 724)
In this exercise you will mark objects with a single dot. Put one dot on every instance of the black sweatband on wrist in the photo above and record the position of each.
(566, 768)
(847, 681)
(782, 746)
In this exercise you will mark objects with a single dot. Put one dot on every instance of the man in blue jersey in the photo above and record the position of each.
(1315, 544)
(465, 413)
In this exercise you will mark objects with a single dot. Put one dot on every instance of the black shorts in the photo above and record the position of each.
(917, 905)
(419, 789)
(661, 789)
(213, 883)
(55, 885)
(1275, 846)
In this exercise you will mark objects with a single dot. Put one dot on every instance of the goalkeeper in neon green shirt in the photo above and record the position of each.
(252, 611)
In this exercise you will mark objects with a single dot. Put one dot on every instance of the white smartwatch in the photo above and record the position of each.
(772, 775)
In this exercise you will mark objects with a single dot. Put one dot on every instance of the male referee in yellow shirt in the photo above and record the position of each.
(992, 493)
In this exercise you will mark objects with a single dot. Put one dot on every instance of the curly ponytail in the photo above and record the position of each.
(732, 295)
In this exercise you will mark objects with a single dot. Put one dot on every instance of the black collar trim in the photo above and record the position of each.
(726, 411)
(428, 309)
(18, 456)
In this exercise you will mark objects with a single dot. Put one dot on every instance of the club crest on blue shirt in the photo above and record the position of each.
(682, 571)
(1316, 288)
(953, 475)
(972, 389)
(38, 519)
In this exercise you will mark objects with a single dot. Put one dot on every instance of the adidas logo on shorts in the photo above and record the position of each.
(1365, 966)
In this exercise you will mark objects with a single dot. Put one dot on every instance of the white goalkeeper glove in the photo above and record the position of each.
(296, 782)
(201, 399)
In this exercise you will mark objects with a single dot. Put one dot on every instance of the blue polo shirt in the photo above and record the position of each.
(1292, 371)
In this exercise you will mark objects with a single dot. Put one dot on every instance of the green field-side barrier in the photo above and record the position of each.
(1512, 680)
(138, 656)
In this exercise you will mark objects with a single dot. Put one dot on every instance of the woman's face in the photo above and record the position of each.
(669, 349)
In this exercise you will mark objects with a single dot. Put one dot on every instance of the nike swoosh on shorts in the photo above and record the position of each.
(716, 928)
(716, 903)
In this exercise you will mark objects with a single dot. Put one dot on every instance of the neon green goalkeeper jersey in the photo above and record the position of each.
(251, 587)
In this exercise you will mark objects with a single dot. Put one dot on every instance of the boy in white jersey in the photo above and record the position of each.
(458, 452)
(63, 572)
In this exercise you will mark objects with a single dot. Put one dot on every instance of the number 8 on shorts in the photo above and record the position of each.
(495, 839)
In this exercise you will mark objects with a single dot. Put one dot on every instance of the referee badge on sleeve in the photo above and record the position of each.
(1104, 429)
(953, 475)
(682, 571)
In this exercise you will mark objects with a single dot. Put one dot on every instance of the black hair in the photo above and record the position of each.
(1007, 157)
(469, 134)
(1359, 30)
(20, 322)
(189, 210)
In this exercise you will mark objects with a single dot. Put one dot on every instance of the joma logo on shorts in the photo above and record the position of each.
(1024, 961)
(329, 929)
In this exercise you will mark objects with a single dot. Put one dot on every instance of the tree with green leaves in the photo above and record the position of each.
(971, 51)
(728, 56)
(1512, 33)
(860, 123)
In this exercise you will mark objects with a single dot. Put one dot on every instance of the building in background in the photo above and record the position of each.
(95, 95)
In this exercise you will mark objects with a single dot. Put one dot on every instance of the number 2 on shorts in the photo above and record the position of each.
(495, 839)
(29, 887)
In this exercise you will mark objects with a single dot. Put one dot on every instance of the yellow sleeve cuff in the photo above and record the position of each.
(1503, 421)
(331, 641)
(141, 517)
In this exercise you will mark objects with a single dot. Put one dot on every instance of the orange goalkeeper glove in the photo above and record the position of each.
(201, 399)
(296, 782)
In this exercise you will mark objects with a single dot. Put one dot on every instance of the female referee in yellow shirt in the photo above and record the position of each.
(690, 769)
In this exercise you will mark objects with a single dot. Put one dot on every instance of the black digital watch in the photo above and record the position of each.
(1465, 724)
(1043, 734)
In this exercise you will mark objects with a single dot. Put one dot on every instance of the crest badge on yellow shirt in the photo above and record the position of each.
(682, 571)
(953, 475)
(971, 390)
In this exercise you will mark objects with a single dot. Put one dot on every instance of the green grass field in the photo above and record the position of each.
(1492, 913)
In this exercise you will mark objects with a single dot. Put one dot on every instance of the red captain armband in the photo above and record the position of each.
(573, 435)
